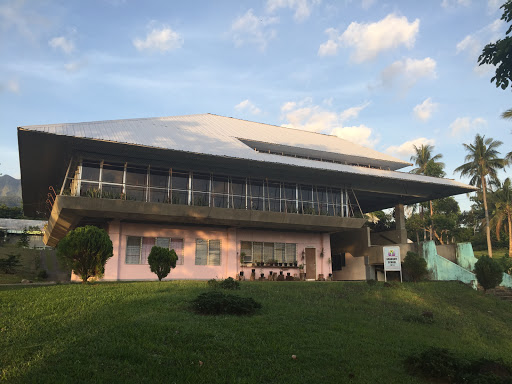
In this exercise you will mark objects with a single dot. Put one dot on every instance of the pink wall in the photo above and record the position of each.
(117, 269)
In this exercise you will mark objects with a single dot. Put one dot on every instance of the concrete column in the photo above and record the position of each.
(232, 262)
(400, 223)
(112, 266)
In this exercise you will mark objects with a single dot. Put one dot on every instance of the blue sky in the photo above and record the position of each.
(385, 74)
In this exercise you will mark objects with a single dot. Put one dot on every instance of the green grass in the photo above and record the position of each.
(144, 332)
(29, 264)
(496, 253)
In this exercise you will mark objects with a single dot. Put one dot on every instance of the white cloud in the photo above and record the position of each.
(369, 40)
(406, 73)
(74, 66)
(10, 86)
(493, 5)
(366, 4)
(246, 105)
(314, 118)
(253, 29)
(455, 3)
(470, 44)
(406, 150)
(162, 40)
(360, 134)
(424, 110)
(62, 43)
(302, 8)
(462, 125)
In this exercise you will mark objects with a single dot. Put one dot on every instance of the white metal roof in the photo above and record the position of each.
(218, 135)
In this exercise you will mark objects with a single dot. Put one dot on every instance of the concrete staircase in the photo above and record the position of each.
(501, 292)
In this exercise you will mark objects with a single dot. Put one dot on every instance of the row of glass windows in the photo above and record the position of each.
(208, 252)
(255, 251)
(118, 181)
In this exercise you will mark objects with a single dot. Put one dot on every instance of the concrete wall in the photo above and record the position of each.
(117, 269)
(354, 269)
(448, 251)
(354, 241)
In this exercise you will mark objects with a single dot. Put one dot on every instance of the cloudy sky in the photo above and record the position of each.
(385, 74)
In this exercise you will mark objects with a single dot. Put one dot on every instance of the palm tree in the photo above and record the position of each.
(507, 114)
(502, 201)
(428, 166)
(482, 162)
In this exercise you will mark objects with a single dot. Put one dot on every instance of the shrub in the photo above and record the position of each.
(415, 267)
(212, 283)
(85, 250)
(230, 283)
(10, 264)
(488, 272)
(161, 261)
(506, 264)
(42, 274)
(219, 303)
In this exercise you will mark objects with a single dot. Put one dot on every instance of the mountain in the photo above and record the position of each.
(10, 191)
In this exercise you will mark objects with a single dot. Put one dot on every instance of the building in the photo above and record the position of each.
(224, 193)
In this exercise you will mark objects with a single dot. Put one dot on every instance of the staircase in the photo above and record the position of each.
(501, 292)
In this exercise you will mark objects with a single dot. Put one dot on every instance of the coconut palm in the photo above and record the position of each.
(502, 213)
(482, 163)
(427, 165)
(507, 114)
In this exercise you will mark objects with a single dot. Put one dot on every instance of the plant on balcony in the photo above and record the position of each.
(85, 250)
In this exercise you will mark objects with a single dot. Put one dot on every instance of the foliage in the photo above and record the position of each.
(85, 250)
(488, 272)
(505, 264)
(10, 264)
(23, 241)
(445, 219)
(414, 266)
(499, 53)
(380, 221)
(11, 212)
(161, 261)
(42, 274)
(218, 303)
(482, 162)
(230, 283)
(501, 202)
(424, 161)
(443, 365)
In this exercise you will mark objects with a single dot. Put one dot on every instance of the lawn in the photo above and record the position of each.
(144, 332)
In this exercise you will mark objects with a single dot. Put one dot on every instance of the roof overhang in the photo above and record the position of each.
(44, 159)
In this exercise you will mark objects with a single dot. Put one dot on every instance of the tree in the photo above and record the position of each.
(427, 165)
(85, 250)
(500, 52)
(502, 212)
(482, 162)
(414, 266)
(23, 241)
(488, 272)
(161, 260)
(446, 219)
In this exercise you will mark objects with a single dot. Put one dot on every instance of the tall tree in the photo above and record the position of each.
(427, 165)
(502, 211)
(482, 163)
(500, 52)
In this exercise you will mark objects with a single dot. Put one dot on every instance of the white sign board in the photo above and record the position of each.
(392, 258)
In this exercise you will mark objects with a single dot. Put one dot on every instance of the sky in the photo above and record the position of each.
(384, 74)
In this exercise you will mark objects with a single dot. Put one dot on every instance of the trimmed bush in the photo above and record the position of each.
(506, 264)
(85, 250)
(219, 303)
(229, 283)
(488, 272)
(414, 267)
(10, 264)
(161, 261)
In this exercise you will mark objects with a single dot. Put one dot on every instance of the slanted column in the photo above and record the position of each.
(400, 223)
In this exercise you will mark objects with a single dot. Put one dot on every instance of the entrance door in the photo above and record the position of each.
(310, 263)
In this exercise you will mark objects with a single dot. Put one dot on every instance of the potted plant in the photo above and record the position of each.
(242, 258)
(295, 263)
(280, 264)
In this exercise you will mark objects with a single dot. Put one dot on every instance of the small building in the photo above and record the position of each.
(12, 229)
(224, 193)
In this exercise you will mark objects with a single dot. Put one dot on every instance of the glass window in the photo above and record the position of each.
(268, 252)
(162, 242)
(334, 196)
(147, 244)
(208, 252)
(136, 176)
(238, 193)
(158, 195)
(320, 199)
(200, 188)
(305, 199)
(257, 252)
(246, 251)
(255, 195)
(220, 195)
(112, 173)
(91, 170)
(177, 245)
(158, 177)
(289, 202)
(90, 189)
(133, 247)
(273, 196)
(279, 252)
(290, 253)
(179, 185)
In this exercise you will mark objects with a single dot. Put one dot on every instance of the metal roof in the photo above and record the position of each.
(219, 136)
